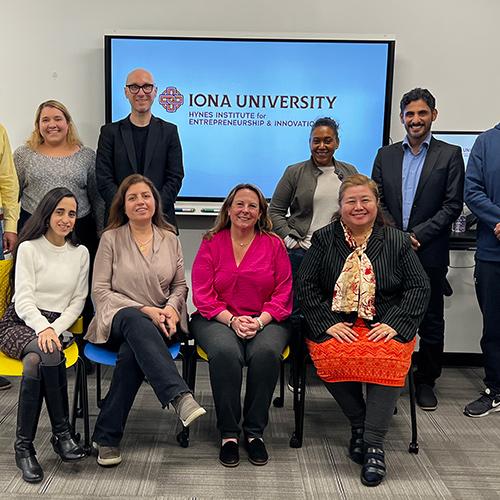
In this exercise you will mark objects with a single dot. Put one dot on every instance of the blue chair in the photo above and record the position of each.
(106, 357)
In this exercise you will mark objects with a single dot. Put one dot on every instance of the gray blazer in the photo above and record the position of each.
(124, 277)
(295, 191)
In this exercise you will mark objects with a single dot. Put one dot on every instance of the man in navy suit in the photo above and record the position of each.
(140, 143)
(421, 184)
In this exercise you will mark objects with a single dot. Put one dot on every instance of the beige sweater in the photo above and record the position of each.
(124, 277)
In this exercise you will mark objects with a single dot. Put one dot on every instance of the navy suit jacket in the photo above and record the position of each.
(116, 159)
(438, 199)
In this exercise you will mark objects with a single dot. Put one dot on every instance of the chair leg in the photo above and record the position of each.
(187, 354)
(299, 372)
(413, 447)
(280, 400)
(81, 395)
(98, 385)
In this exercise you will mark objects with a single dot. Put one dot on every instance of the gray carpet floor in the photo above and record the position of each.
(458, 456)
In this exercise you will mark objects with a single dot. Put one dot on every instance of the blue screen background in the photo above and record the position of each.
(216, 157)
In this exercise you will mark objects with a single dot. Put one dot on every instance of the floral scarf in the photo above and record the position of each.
(355, 287)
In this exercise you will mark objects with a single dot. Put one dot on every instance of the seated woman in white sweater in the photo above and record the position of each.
(49, 281)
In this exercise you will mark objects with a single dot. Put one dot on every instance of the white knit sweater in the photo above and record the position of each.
(51, 278)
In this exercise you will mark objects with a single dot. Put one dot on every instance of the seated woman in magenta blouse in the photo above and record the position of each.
(242, 288)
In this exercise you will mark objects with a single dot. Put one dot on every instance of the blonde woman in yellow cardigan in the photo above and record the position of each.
(9, 195)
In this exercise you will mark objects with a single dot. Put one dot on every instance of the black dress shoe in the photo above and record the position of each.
(373, 471)
(229, 455)
(257, 453)
(356, 445)
(426, 398)
(32, 472)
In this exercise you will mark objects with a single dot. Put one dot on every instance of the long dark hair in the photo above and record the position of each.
(264, 224)
(38, 224)
(117, 215)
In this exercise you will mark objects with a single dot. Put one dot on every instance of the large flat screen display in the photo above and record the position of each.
(463, 139)
(244, 107)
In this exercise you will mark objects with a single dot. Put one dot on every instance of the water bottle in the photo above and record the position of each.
(459, 225)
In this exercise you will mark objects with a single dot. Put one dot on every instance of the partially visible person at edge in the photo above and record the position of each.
(139, 292)
(9, 196)
(421, 183)
(363, 293)
(482, 195)
(49, 284)
(242, 289)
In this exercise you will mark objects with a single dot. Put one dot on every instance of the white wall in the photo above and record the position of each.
(54, 48)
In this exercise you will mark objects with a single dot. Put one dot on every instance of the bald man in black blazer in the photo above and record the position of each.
(421, 192)
(140, 143)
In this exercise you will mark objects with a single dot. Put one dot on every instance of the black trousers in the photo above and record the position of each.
(431, 331)
(142, 352)
(374, 414)
(227, 355)
(487, 279)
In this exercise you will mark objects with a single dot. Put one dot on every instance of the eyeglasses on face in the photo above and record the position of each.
(147, 88)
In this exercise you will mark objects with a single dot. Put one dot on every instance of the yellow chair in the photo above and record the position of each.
(277, 402)
(10, 367)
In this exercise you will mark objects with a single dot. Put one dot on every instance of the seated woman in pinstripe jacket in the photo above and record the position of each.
(363, 293)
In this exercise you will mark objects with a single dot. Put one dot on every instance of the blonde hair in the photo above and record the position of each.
(36, 138)
(264, 224)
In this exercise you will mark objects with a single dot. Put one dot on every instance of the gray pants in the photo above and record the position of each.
(374, 415)
(33, 356)
(227, 355)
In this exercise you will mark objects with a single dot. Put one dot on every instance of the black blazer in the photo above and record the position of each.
(402, 287)
(116, 159)
(438, 198)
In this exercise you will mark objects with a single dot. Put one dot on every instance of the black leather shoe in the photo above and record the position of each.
(66, 447)
(373, 471)
(356, 445)
(257, 453)
(229, 455)
(32, 472)
(426, 398)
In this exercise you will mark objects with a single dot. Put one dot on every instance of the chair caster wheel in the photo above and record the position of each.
(294, 442)
(278, 402)
(183, 439)
(413, 448)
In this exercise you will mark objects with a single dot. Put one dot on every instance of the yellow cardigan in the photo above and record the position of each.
(9, 185)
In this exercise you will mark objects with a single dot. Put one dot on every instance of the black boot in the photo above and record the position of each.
(28, 413)
(56, 398)
(356, 445)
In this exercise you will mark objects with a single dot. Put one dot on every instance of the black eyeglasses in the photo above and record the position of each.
(147, 88)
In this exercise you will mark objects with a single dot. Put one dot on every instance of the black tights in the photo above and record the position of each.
(374, 415)
(33, 356)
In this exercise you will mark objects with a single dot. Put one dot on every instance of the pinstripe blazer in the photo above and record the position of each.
(402, 287)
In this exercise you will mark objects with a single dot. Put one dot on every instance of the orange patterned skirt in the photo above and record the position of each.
(384, 363)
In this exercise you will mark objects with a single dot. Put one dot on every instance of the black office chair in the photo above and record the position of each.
(300, 358)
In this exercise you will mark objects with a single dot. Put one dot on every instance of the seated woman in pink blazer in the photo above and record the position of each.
(139, 292)
(242, 288)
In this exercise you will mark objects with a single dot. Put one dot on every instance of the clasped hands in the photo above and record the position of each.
(245, 327)
(165, 319)
(344, 333)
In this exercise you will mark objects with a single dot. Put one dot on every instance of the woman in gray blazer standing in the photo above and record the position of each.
(308, 191)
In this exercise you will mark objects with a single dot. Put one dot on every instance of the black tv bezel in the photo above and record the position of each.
(391, 50)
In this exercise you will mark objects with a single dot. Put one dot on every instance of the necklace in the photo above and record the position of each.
(143, 244)
(242, 245)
